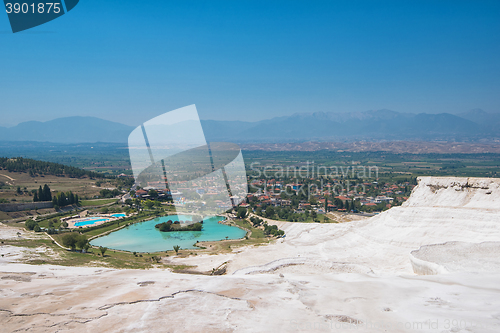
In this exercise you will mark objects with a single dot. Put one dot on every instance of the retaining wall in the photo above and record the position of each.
(16, 207)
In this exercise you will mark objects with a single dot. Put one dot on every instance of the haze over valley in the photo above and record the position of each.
(381, 125)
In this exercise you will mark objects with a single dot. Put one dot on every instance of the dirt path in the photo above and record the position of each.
(345, 217)
(7, 177)
(62, 247)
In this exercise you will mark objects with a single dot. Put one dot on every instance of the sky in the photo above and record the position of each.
(129, 61)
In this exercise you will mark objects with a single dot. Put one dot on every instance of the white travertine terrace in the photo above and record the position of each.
(357, 276)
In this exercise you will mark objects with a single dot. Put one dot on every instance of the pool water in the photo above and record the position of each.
(144, 237)
(90, 221)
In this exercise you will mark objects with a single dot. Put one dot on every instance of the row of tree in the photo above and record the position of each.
(74, 240)
(43, 194)
(32, 225)
(34, 167)
(272, 230)
(62, 199)
(105, 193)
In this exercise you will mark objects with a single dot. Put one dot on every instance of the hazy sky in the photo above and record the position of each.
(129, 61)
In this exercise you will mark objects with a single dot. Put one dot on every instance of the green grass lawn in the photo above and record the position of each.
(256, 232)
(122, 259)
(56, 222)
(98, 202)
(113, 259)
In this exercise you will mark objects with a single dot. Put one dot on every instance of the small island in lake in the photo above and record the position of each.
(176, 226)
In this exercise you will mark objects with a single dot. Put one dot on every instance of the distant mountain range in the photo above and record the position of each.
(68, 130)
(475, 125)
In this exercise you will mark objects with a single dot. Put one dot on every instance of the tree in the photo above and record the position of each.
(69, 240)
(354, 205)
(176, 249)
(40, 194)
(71, 198)
(75, 240)
(30, 224)
(86, 247)
(149, 204)
(326, 204)
(153, 194)
(44, 168)
(109, 193)
(137, 203)
(82, 242)
(270, 212)
(35, 197)
(47, 196)
(61, 200)
(103, 250)
(339, 203)
(242, 213)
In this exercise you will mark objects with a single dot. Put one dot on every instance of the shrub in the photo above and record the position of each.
(74, 240)
(103, 250)
(273, 230)
(30, 224)
(242, 213)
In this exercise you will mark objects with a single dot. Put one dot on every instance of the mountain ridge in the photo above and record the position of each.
(377, 125)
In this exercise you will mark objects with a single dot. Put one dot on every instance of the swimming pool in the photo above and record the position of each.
(85, 221)
(90, 221)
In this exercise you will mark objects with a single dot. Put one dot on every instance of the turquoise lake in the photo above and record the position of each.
(144, 237)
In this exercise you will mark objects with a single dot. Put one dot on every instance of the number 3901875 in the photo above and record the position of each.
(39, 8)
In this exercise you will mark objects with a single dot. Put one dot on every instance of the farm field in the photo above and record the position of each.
(9, 181)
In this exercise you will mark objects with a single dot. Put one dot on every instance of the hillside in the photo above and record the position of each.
(41, 168)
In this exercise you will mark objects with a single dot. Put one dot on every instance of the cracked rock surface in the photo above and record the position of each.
(353, 276)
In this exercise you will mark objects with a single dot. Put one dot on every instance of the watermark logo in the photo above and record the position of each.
(310, 179)
(26, 14)
(169, 153)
